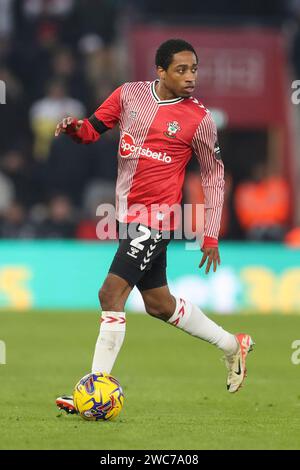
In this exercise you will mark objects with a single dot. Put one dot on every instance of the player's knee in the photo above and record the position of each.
(108, 299)
(103, 297)
(158, 310)
(152, 309)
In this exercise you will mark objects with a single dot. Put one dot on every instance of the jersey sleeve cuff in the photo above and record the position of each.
(210, 242)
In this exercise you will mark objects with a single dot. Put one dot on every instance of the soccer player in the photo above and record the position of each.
(161, 124)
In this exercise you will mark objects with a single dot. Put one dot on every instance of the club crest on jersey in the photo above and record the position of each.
(173, 128)
(133, 114)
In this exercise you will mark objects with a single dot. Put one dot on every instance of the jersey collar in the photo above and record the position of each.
(158, 100)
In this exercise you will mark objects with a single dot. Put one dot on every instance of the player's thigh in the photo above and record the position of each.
(156, 275)
(155, 290)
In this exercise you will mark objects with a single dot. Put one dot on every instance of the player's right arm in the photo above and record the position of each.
(90, 129)
(206, 147)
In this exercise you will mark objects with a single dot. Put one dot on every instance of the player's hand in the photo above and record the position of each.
(67, 125)
(212, 256)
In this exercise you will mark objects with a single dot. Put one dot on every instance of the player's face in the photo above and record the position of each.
(180, 77)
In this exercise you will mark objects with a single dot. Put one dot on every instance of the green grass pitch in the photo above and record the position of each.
(175, 394)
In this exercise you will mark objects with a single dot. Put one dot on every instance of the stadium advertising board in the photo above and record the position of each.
(253, 278)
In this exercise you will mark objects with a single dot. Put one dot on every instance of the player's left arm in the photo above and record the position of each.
(90, 129)
(206, 147)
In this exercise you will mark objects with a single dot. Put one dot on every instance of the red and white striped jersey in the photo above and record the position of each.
(157, 139)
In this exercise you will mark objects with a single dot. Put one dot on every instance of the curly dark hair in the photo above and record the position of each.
(165, 52)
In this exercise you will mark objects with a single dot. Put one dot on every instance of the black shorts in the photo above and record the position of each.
(141, 258)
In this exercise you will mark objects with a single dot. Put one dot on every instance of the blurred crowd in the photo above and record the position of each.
(57, 58)
(64, 57)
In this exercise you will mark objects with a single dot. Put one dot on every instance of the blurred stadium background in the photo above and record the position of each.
(64, 57)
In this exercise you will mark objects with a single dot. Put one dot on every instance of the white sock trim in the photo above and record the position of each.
(182, 313)
(113, 321)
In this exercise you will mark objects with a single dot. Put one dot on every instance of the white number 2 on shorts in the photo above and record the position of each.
(146, 235)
